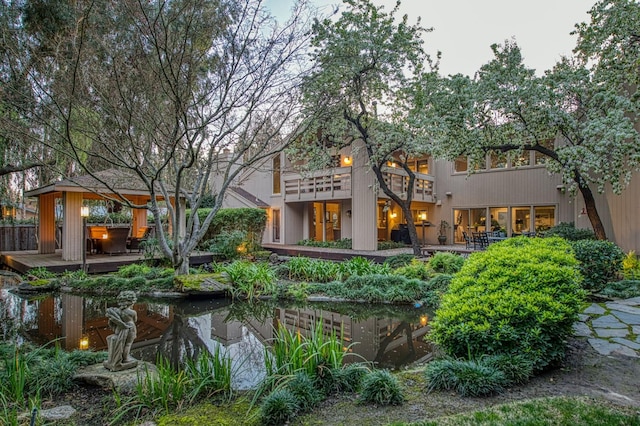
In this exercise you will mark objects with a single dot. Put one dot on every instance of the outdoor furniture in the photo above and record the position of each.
(116, 241)
(96, 235)
(467, 240)
(480, 240)
(143, 234)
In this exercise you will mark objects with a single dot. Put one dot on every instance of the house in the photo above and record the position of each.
(515, 196)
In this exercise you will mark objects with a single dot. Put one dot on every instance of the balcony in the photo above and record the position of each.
(332, 184)
(398, 181)
(320, 185)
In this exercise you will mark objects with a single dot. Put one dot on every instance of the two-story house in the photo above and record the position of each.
(344, 201)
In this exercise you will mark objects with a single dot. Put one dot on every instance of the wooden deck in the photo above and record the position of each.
(375, 255)
(22, 261)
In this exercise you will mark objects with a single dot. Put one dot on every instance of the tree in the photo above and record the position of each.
(362, 88)
(506, 108)
(161, 89)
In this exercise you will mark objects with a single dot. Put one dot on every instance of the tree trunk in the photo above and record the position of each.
(182, 266)
(592, 211)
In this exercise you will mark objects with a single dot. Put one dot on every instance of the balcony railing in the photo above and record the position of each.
(320, 185)
(336, 183)
(398, 181)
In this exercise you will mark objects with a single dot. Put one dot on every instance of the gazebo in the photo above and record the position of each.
(108, 184)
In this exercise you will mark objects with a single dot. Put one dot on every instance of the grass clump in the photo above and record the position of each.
(382, 388)
(250, 280)
(278, 407)
(467, 378)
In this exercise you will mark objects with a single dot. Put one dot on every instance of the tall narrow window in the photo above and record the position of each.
(276, 226)
(276, 174)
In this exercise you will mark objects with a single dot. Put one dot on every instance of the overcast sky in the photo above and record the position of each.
(465, 29)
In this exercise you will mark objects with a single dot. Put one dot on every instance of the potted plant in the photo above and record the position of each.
(442, 232)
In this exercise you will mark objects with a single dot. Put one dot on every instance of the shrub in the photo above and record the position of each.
(381, 387)
(569, 232)
(436, 287)
(467, 378)
(250, 222)
(303, 389)
(133, 270)
(349, 377)
(518, 297)
(631, 266)
(446, 263)
(226, 244)
(624, 289)
(416, 269)
(278, 407)
(378, 288)
(600, 262)
(41, 272)
(388, 245)
(399, 260)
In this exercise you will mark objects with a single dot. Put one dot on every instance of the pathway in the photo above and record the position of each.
(612, 327)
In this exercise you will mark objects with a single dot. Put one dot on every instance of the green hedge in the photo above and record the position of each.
(518, 297)
(250, 221)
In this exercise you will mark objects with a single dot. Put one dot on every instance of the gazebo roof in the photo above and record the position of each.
(104, 182)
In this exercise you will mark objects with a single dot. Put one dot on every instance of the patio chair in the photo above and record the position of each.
(143, 234)
(480, 240)
(116, 242)
(468, 243)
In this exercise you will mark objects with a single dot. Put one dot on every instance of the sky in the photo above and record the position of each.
(464, 30)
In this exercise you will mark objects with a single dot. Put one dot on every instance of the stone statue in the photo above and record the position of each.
(123, 322)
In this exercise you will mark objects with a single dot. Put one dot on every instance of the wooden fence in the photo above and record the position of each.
(18, 237)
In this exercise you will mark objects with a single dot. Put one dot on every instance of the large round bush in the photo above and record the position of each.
(600, 262)
(518, 297)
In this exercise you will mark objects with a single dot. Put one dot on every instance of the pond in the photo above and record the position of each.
(389, 336)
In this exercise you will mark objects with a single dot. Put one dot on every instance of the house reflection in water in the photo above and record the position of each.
(184, 329)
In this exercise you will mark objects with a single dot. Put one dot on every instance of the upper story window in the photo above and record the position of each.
(497, 160)
(460, 164)
(276, 168)
(539, 158)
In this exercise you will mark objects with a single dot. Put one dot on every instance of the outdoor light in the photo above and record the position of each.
(84, 211)
(423, 320)
(393, 215)
(423, 216)
(347, 160)
(583, 212)
(84, 343)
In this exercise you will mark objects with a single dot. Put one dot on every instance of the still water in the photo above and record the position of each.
(389, 336)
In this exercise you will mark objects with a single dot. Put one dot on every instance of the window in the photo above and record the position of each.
(520, 220)
(276, 174)
(545, 217)
(522, 159)
(460, 164)
(541, 159)
(499, 219)
(276, 226)
(423, 166)
(498, 160)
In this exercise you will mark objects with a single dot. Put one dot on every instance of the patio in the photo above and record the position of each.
(22, 261)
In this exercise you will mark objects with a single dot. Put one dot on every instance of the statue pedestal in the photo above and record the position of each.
(124, 381)
(121, 366)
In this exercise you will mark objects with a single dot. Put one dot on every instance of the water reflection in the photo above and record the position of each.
(390, 336)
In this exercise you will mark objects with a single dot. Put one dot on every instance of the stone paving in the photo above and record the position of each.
(612, 328)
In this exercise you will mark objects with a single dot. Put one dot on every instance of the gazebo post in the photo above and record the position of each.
(46, 223)
(72, 245)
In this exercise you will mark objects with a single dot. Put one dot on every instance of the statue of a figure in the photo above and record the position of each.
(123, 322)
